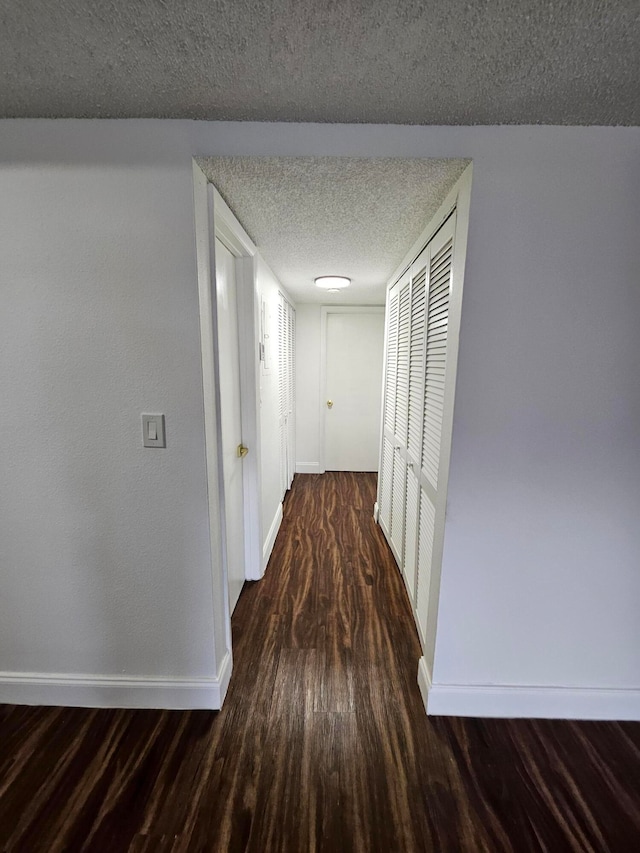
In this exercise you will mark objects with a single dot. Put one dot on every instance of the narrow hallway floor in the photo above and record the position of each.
(323, 743)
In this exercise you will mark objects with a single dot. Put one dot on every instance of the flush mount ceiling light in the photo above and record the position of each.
(332, 282)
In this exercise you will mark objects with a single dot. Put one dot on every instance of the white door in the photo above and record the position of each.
(385, 478)
(410, 495)
(230, 413)
(393, 479)
(399, 486)
(354, 352)
(436, 340)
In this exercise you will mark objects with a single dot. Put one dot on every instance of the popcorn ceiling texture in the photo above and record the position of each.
(569, 62)
(312, 216)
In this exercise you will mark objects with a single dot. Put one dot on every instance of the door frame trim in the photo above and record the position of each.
(212, 218)
(325, 310)
(230, 232)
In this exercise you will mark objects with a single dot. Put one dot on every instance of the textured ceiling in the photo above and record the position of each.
(398, 61)
(312, 216)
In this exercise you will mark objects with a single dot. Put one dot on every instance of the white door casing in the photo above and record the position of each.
(354, 342)
(214, 219)
(231, 421)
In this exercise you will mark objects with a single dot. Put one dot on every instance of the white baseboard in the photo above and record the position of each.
(113, 691)
(570, 703)
(309, 468)
(267, 548)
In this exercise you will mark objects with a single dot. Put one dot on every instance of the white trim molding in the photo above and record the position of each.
(528, 701)
(115, 691)
(270, 541)
(229, 230)
(205, 258)
(309, 468)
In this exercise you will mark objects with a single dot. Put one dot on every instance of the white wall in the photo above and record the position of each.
(307, 388)
(541, 570)
(104, 551)
(105, 556)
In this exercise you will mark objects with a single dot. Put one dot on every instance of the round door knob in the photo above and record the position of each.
(329, 404)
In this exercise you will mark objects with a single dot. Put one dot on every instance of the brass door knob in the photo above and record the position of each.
(329, 404)
(242, 451)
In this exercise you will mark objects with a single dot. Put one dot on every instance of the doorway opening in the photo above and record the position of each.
(351, 360)
(356, 382)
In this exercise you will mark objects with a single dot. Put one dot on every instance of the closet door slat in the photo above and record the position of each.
(436, 368)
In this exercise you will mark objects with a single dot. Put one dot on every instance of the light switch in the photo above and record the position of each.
(153, 433)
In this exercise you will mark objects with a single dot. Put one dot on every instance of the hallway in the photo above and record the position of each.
(323, 743)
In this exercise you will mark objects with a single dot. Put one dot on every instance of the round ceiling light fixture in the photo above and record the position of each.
(332, 282)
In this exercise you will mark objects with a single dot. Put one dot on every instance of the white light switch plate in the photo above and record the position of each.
(148, 424)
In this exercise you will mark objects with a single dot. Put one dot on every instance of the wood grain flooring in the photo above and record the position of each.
(322, 744)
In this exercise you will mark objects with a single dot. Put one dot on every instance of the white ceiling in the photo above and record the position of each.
(312, 216)
(387, 61)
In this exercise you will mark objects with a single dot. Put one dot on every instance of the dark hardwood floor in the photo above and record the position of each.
(323, 743)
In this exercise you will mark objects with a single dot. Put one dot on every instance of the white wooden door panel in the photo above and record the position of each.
(402, 377)
(391, 368)
(410, 494)
(436, 336)
(410, 554)
(399, 484)
(425, 555)
(385, 489)
(416, 365)
(230, 413)
(353, 382)
(400, 427)
(436, 339)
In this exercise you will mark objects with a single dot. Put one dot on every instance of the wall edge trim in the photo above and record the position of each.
(115, 691)
(309, 468)
(528, 701)
(270, 541)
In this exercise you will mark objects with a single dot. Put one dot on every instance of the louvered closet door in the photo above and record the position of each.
(440, 252)
(282, 390)
(399, 438)
(286, 391)
(414, 420)
(389, 409)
